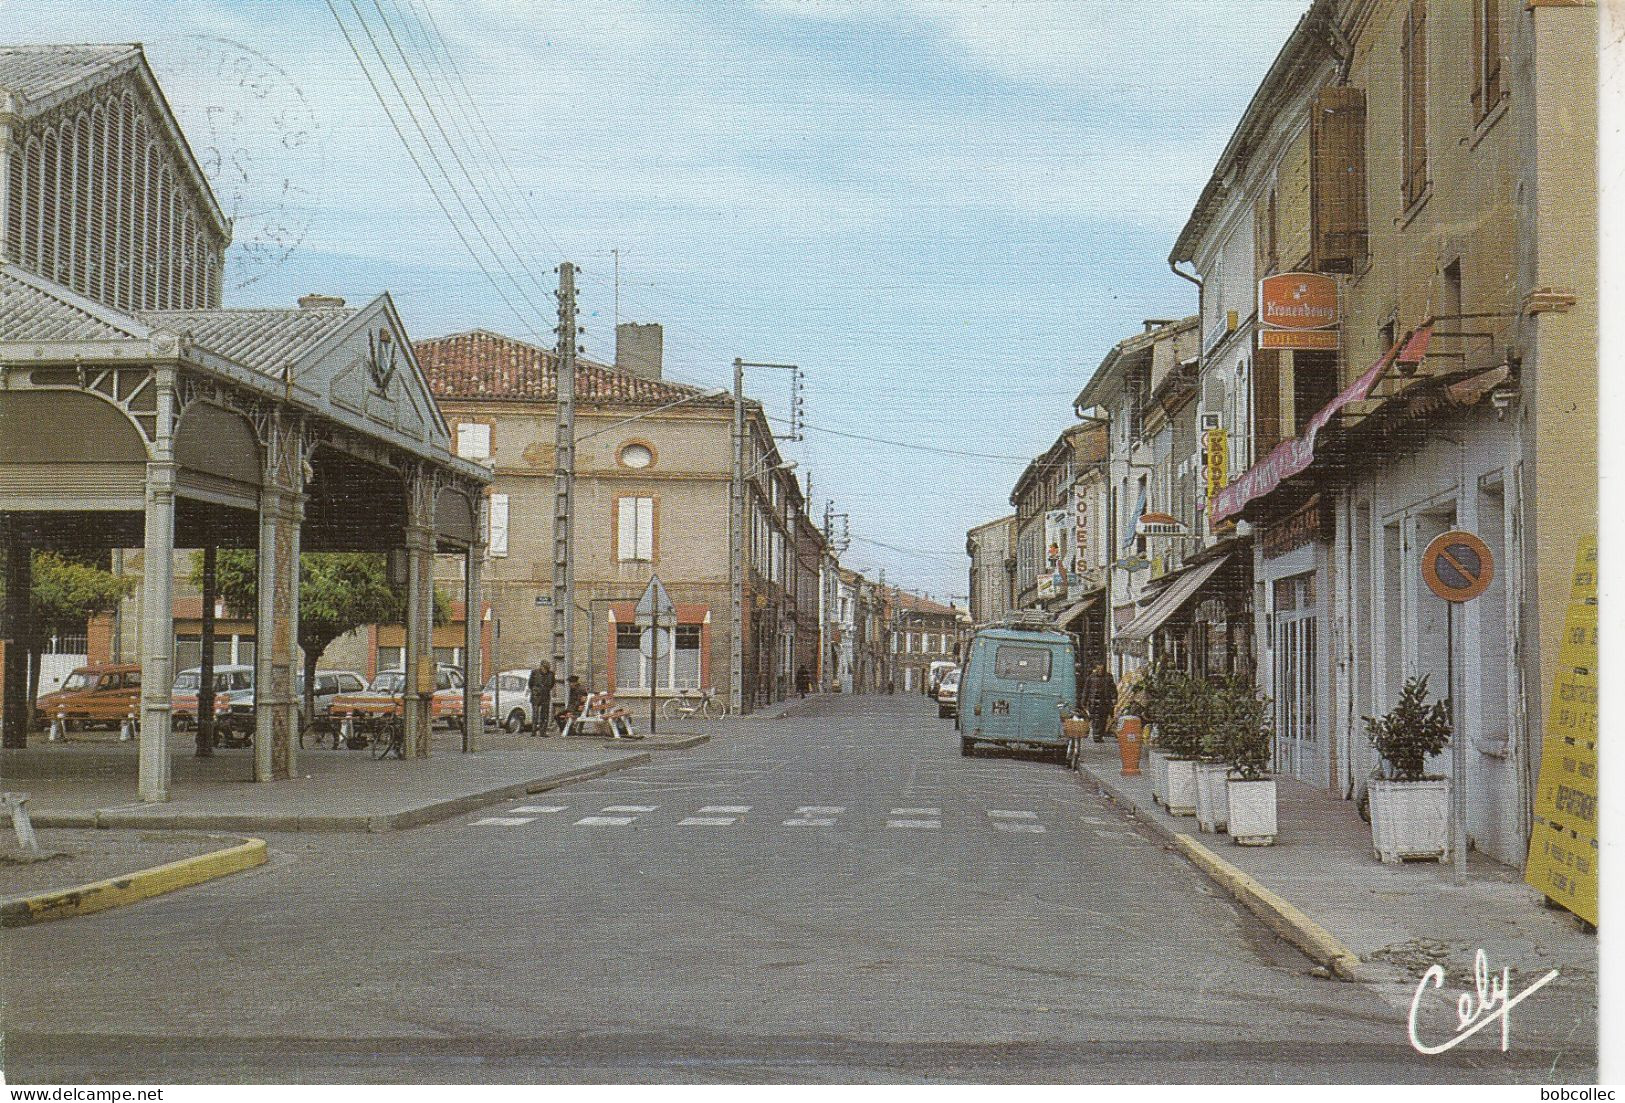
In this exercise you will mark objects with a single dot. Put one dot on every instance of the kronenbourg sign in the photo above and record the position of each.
(1297, 300)
(1292, 456)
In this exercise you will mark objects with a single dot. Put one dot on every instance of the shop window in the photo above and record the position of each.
(391, 658)
(451, 656)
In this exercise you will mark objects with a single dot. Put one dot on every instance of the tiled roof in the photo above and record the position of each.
(914, 603)
(262, 339)
(484, 365)
(33, 309)
(35, 71)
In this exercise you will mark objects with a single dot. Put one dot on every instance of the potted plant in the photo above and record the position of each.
(1410, 809)
(1205, 709)
(1243, 719)
(1179, 736)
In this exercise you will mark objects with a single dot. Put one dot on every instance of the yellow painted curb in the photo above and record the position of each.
(118, 891)
(1281, 917)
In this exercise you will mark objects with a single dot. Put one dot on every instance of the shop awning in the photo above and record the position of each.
(1291, 457)
(1167, 603)
(1072, 612)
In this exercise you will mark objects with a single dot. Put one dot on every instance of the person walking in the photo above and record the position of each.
(541, 698)
(1101, 697)
(803, 680)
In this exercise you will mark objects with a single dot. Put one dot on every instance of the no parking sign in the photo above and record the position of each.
(1458, 566)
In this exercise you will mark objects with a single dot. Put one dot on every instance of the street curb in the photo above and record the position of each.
(1282, 917)
(115, 892)
(1279, 915)
(121, 819)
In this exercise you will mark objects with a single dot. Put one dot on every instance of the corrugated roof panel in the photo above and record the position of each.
(35, 71)
(30, 312)
(261, 339)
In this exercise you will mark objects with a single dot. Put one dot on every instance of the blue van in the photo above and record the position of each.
(1018, 685)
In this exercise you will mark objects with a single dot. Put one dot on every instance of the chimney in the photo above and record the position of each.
(639, 348)
(314, 301)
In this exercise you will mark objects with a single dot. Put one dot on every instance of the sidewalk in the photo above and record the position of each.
(93, 784)
(1396, 919)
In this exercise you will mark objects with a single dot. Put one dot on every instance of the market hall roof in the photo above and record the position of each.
(36, 78)
(485, 365)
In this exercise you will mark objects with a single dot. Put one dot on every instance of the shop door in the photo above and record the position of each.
(1297, 671)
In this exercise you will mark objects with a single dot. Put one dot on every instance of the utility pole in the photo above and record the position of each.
(564, 470)
(736, 549)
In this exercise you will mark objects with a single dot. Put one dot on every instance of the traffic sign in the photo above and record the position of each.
(654, 643)
(1458, 566)
(655, 602)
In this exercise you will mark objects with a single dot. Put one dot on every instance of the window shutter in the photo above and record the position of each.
(1337, 202)
(646, 528)
(497, 539)
(626, 529)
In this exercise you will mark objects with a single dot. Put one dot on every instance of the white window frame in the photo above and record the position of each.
(635, 533)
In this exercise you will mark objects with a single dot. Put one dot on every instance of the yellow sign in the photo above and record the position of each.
(1216, 446)
(1563, 845)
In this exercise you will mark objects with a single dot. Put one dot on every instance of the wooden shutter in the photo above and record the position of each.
(1266, 401)
(646, 528)
(1337, 193)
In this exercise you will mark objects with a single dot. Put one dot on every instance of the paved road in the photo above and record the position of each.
(838, 896)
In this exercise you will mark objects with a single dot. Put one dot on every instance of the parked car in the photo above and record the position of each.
(385, 696)
(1017, 687)
(239, 718)
(948, 694)
(99, 695)
(510, 690)
(935, 674)
(232, 683)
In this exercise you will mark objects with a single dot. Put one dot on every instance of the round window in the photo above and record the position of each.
(637, 455)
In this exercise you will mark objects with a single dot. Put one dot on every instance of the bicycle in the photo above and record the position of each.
(323, 731)
(389, 736)
(687, 703)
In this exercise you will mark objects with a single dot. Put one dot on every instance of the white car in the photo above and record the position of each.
(948, 694)
(505, 700)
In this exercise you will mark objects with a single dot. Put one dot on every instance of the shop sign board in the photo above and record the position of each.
(1080, 533)
(1298, 310)
(1458, 566)
(1216, 451)
(1562, 861)
(1308, 524)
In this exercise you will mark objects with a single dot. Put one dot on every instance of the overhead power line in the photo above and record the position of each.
(908, 444)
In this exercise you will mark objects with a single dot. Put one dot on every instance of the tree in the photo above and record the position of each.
(338, 593)
(66, 591)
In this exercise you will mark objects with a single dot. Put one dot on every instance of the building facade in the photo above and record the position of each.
(992, 550)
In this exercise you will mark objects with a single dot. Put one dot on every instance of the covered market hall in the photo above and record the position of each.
(278, 430)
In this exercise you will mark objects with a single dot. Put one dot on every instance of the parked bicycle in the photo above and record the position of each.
(688, 703)
(323, 731)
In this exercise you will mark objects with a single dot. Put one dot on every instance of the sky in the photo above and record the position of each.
(945, 211)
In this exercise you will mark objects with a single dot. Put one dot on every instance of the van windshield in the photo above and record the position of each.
(1021, 664)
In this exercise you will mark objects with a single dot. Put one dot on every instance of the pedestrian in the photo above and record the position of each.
(803, 681)
(891, 685)
(541, 697)
(1101, 698)
(575, 701)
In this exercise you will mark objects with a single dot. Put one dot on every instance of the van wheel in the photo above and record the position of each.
(967, 747)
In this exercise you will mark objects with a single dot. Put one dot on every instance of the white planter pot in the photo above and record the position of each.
(1159, 777)
(1410, 819)
(1180, 791)
(1212, 806)
(1252, 811)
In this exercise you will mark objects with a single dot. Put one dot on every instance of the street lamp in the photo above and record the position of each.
(714, 392)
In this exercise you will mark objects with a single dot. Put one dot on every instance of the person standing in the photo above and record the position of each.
(803, 680)
(541, 698)
(1101, 696)
(575, 702)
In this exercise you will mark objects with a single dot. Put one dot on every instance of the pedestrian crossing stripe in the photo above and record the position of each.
(603, 821)
(630, 808)
(708, 821)
(810, 822)
(503, 821)
(1000, 814)
(540, 808)
(821, 809)
(916, 811)
(725, 809)
(923, 825)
